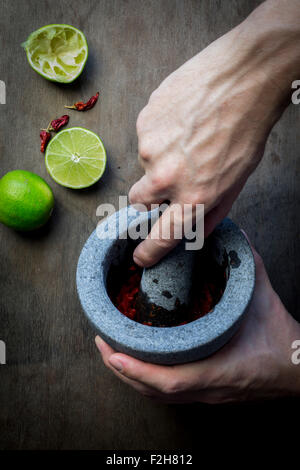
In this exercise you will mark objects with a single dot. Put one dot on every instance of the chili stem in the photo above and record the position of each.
(49, 128)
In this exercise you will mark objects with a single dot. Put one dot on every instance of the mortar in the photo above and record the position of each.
(168, 345)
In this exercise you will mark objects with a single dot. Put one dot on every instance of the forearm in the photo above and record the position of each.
(273, 32)
(256, 63)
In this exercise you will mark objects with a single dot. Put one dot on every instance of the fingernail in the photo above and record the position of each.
(138, 261)
(116, 363)
(99, 343)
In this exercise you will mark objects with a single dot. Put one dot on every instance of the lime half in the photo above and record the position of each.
(58, 52)
(76, 158)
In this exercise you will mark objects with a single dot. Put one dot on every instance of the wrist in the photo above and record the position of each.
(273, 32)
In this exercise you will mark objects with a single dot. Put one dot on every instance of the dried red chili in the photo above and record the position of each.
(58, 123)
(81, 106)
(45, 136)
(55, 126)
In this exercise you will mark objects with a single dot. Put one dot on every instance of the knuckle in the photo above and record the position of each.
(165, 178)
(133, 194)
(206, 196)
(194, 198)
(159, 181)
(145, 150)
(138, 195)
(199, 195)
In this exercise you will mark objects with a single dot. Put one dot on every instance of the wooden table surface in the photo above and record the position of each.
(55, 393)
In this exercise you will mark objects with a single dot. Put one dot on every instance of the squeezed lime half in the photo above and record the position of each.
(76, 158)
(58, 52)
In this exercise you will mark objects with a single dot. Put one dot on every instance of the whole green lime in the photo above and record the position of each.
(26, 200)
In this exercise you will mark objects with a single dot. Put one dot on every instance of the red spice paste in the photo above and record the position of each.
(206, 293)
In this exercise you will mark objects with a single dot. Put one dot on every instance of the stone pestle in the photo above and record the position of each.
(165, 288)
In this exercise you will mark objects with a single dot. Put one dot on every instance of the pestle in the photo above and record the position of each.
(165, 288)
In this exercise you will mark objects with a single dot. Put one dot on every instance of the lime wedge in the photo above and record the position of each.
(58, 52)
(76, 158)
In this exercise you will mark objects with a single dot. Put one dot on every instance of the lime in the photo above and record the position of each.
(58, 52)
(26, 200)
(76, 158)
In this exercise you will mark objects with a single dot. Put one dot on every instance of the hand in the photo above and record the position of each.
(204, 129)
(256, 363)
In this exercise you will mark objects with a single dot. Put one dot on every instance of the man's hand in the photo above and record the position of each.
(256, 363)
(204, 129)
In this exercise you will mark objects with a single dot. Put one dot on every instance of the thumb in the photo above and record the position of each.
(164, 236)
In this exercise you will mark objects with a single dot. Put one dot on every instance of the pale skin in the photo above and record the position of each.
(201, 135)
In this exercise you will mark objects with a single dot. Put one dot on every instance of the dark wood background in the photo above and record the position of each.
(55, 392)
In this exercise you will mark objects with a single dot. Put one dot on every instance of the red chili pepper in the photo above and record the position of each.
(45, 137)
(55, 126)
(81, 106)
(58, 123)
